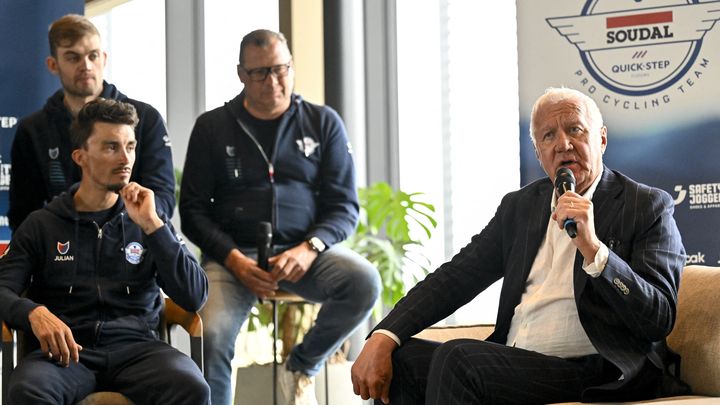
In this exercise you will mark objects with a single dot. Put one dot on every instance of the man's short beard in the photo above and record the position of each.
(80, 93)
(115, 188)
(75, 91)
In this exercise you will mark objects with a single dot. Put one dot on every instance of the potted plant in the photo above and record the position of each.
(385, 237)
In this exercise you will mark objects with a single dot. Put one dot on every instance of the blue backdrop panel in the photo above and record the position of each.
(653, 68)
(25, 82)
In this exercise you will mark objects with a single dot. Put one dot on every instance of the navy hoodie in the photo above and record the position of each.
(103, 282)
(43, 168)
(228, 187)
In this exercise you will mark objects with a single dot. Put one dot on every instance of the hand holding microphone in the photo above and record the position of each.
(565, 181)
(263, 238)
(255, 274)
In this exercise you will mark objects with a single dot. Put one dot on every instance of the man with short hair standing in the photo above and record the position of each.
(91, 264)
(41, 164)
(269, 156)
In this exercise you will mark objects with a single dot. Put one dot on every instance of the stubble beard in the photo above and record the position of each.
(116, 187)
(82, 92)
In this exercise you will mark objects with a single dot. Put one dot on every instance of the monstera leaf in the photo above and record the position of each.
(384, 237)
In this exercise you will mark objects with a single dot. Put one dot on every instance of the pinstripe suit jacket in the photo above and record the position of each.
(626, 312)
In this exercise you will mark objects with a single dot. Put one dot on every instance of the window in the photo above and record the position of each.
(226, 22)
(133, 34)
(458, 119)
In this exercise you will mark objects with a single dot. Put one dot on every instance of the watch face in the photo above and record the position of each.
(316, 244)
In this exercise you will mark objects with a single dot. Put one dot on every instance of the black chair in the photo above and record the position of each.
(171, 316)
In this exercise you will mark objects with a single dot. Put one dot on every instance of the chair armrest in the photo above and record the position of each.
(191, 322)
(445, 333)
(8, 362)
(696, 335)
(7, 333)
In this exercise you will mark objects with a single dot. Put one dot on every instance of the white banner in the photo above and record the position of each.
(653, 68)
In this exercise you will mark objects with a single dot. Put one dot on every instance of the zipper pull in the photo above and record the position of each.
(271, 172)
(236, 173)
(99, 233)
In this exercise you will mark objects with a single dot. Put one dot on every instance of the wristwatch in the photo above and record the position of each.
(316, 244)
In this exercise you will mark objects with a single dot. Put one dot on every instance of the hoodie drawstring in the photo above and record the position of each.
(268, 161)
(77, 253)
(126, 270)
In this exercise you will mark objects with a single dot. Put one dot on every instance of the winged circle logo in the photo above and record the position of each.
(649, 50)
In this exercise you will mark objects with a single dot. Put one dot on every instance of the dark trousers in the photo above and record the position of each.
(146, 372)
(466, 371)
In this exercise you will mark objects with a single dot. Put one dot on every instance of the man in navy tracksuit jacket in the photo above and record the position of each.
(91, 264)
(41, 163)
(268, 155)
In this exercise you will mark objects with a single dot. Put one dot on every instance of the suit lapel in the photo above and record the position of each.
(607, 204)
(537, 227)
(536, 223)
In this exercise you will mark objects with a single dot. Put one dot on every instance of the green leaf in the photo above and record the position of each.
(383, 236)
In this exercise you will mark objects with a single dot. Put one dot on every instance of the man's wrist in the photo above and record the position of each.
(387, 333)
(153, 225)
(36, 312)
(235, 259)
(595, 267)
(316, 244)
(232, 258)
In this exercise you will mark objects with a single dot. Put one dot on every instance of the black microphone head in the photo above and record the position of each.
(564, 180)
(264, 232)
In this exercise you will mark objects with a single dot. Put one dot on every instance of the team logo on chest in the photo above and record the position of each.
(54, 153)
(307, 145)
(63, 249)
(230, 150)
(134, 253)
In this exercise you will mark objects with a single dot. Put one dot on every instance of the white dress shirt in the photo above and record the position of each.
(546, 320)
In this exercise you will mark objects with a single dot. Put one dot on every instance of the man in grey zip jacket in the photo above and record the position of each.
(91, 264)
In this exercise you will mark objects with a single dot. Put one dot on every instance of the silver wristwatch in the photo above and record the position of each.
(316, 244)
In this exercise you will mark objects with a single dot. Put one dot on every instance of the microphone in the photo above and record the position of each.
(565, 181)
(264, 244)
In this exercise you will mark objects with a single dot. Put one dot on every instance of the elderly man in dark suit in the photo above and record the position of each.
(579, 318)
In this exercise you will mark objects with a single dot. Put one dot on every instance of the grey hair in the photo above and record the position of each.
(556, 95)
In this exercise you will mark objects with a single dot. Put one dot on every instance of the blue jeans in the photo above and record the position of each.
(344, 282)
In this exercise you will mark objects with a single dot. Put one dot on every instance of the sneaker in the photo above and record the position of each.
(298, 388)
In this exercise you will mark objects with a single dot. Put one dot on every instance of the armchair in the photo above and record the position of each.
(696, 335)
